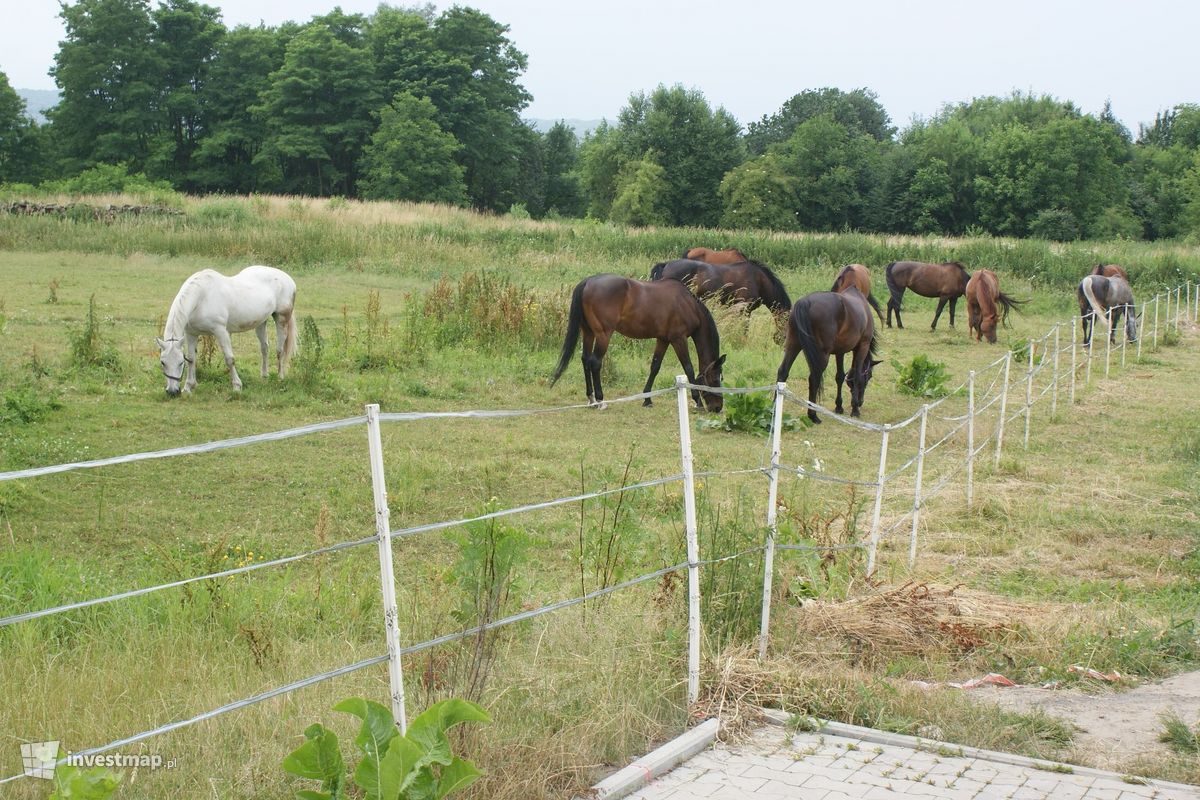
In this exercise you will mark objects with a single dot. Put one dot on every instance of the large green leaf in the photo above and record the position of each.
(397, 769)
(429, 728)
(374, 737)
(74, 783)
(318, 758)
(458, 774)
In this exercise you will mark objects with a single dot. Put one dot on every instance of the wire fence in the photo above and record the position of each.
(939, 457)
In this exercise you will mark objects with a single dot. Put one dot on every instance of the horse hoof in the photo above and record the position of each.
(839, 410)
(601, 405)
(854, 412)
(647, 403)
(815, 419)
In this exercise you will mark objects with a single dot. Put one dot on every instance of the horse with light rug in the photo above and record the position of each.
(216, 304)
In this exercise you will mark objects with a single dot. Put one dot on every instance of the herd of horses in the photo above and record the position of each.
(670, 308)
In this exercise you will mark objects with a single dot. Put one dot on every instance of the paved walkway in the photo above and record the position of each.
(774, 764)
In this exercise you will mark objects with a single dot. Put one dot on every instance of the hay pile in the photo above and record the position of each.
(914, 619)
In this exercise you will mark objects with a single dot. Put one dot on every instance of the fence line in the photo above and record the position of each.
(385, 535)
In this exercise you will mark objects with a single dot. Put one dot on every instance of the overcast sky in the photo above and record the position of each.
(750, 56)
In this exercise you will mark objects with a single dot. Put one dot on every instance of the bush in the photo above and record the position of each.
(87, 344)
(750, 413)
(922, 377)
(1117, 222)
(1056, 224)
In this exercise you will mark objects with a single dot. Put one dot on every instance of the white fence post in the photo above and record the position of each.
(1029, 393)
(1074, 359)
(1177, 294)
(1156, 320)
(1003, 409)
(1125, 339)
(387, 578)
(1108, 337)
(1054, 389)
(916, 513)
(693, 544)
(970, 437)
(772, 526)
(874, 544)
(1141, 316)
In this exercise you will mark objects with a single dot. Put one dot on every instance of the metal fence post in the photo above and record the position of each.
(1029, 393)
(1054, 389)
(1003, 409)
(874, 544)
(1074, 359)
(693, 544)
(772, 526)
(387, 578)
(970, 437)
(916, 514)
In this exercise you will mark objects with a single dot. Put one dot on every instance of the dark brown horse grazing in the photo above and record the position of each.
(983, 296)
(728, 256)
(1098, 296)
(1110, 271)
(947, 282)
(744, 282)
(832, 323)
(858, 276)
(665, 311)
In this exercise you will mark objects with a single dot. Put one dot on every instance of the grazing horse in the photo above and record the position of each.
(1110, 271)
(858, 276)
(983, 296)
(212, 303)
(744, 282)
(1098, 295)
(664, 310)
(946, 281)
(728, 256)
(832, 323)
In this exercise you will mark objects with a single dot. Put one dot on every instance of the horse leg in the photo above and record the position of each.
(660, 348)
(1115, 323)
(814, 381)
(261, 332)
(1087, 328)
(191, 363)
(601, 347)
(841, 376)
(280, 335)
(791, 349)
(858, 368)
(685, 361)
(953, 303)
(585, 359)
(938, 313)
(222, 337)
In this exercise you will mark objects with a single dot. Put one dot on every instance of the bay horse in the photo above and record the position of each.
(1110, 271)
(947, 282)
(1098, 295)
(983, 297)
(212, 303)
(832, 323)
(664, 310)
(746, 282)
(729, 255)
(858, 276)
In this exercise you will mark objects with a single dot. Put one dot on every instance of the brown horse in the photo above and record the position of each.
(744, 282)
(947, 282)
(1110, 271)
(728, 256)
(832, 323)
(665, 311)
(983, 296)
(858, 276)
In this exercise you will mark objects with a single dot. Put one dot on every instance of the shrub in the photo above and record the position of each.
(750, 413)
(922, 377)
(1056, 224)
(88, 346)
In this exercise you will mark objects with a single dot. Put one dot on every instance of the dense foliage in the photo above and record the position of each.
(410, 104)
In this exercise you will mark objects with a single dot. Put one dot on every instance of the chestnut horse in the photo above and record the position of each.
(1110, 271)
(728, 256)
(744, 282)
(664, 310)
(983, 296)
(832, 323)
(1098, 296)
(858, 276)
(947, 282)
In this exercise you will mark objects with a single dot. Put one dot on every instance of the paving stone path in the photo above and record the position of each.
(775, 764)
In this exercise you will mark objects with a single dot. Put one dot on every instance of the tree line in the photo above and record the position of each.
(410, 104)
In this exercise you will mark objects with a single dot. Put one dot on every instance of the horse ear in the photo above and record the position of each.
(875, 363)
(161, 344)
(721, 360)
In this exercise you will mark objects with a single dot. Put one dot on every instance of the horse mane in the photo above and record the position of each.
(775, 282)
(657, 270)
(181, 307)
(710, 328)
(838, 279)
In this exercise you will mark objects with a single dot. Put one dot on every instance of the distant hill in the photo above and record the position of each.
(580, 126)
(37, 101)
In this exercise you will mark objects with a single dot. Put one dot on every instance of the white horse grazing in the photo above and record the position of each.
(209, 302)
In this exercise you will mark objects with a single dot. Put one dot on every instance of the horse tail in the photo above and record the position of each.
(574, 324)
(895, 290)
(1097, 311)
(808, 342)
(875, 305)
(1008, 304)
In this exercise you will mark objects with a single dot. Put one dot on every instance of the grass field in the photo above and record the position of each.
(1085, 544)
